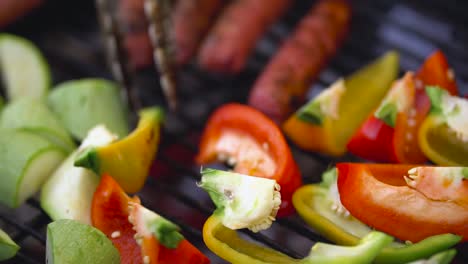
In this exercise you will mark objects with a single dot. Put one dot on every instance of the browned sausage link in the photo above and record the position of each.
(10, 10)
(132, 21)
(283, 84)
(191, 20)
(242, 23)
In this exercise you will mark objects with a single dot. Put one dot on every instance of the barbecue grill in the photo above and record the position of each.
(68, 34)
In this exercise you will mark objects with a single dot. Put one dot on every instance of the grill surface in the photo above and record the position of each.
(70, 40)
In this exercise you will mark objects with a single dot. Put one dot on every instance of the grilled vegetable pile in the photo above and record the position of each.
(72, 143)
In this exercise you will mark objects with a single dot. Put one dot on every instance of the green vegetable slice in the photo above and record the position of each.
(23, 68)
(71, 242)
(86, 103)
(33, 115)
(26, 161)
(8, 247)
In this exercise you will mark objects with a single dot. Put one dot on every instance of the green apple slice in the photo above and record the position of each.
(8, 247)
(33, 115)
(23, 67)
(83, 104)
(68, 193)
(26, 160)
(70, 242)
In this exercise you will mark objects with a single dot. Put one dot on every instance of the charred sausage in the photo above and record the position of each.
(233, 37)
(191, 20)
(134, 30)
(10, 10)
(284, 82)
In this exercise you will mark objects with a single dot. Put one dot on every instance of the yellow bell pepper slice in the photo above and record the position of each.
(440, 144)
(129, 159)
(307, 198)
(228, 245)
(443, 135)
(327, 123)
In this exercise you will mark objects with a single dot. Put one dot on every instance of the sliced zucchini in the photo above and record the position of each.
(70, 242)
(83, 104)
(26, 161)
(68, 193)
(8, 247)
(33, 115)
(24, 69)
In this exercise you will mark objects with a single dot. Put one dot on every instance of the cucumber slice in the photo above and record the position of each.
(70, 242)
(33, 115)
(26, 160)
(68, 193)
(83, 104)
(24, 69)
(8, 247)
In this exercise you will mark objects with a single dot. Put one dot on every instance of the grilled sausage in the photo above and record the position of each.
(191, 20)
(284, 82)
(133, 25)
(12, 9)
(229, 44)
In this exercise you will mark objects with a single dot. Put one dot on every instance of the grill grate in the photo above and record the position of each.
(71, 44)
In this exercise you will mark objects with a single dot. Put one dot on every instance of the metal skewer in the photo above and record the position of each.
(116, 58)
(158, 15)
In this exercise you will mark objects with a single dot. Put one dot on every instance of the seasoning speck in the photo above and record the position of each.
(115, 234)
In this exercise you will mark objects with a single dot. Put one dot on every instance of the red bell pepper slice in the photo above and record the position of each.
(380, 142)
(436, 72)
(109, 213)
(254, 145)
(379, 196)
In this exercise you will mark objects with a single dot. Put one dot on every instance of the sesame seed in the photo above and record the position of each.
(419, 84)
(411, 122)
(146, 260)
(222, 157)
(265, 146)
(409, 136)
(413, 170)
(412, 112)
(115, 234)
(451, 74)
(231, 161)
